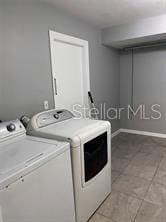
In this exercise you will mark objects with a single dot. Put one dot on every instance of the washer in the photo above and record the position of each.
(35, 177)
(91, 155)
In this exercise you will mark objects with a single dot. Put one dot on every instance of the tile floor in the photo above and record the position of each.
(138, 181)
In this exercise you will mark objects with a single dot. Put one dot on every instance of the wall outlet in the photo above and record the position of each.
(46, 106)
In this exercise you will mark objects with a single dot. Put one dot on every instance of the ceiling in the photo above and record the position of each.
(106, 13)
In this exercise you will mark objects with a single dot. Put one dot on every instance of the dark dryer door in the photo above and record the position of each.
(95, 156)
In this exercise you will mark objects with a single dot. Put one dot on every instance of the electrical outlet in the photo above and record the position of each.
(46, 106)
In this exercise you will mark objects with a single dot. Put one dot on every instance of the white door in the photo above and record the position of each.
(70, 71)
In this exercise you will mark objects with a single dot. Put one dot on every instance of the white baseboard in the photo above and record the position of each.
(115, 133)
(139, 132)
(145, 133)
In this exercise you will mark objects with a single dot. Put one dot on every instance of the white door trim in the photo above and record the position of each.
(73, 41)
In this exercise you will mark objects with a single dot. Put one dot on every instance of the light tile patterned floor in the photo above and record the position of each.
(138, 181)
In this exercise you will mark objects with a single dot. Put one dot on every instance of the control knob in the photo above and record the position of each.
(11, 127)
(56, 116)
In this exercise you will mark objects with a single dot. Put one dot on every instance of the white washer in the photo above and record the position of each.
(35, 177)
(91, 155)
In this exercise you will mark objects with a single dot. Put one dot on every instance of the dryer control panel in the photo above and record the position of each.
(52, 116)
(11, 129)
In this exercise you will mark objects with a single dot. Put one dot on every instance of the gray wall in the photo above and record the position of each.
(26, 75)
(149, 87)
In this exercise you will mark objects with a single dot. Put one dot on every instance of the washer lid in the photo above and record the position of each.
(20, 154)
(22, 151)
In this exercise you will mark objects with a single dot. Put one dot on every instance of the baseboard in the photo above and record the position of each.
(139, 132)
(115, 133)
(145, 133)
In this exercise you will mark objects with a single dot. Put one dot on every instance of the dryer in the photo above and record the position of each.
(35, 177)
(90, 151)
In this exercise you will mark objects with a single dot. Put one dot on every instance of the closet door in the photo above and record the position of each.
(70, 70)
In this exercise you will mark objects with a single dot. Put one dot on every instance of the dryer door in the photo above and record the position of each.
(95, 156)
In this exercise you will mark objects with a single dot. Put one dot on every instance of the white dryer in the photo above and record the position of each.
(35, 177)
(90, 151)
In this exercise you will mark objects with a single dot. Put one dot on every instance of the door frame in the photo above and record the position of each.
(60, 37)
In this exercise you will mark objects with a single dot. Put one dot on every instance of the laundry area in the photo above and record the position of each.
(82, 111)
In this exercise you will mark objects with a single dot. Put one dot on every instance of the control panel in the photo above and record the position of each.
(52, 116)
(11, 129)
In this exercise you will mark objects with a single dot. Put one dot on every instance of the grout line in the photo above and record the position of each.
(143, 200)
(130, 160)
(138, 211)
(119, 173)
(150, 182)
(109, 218)
(128, 195)
(147, 191)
